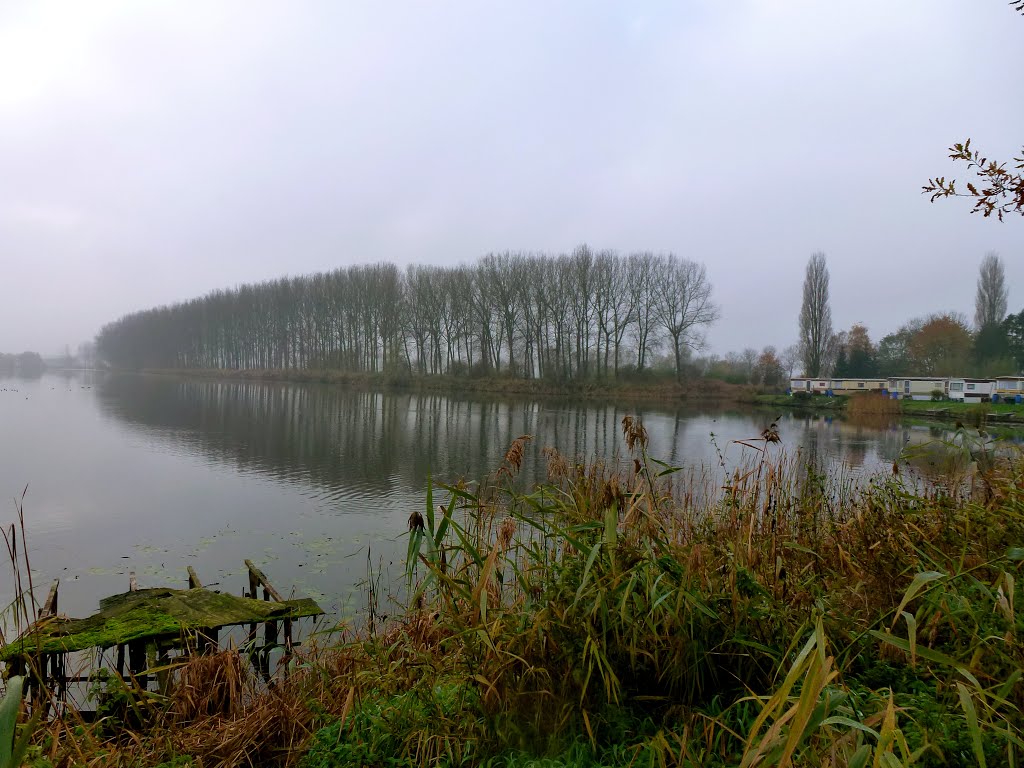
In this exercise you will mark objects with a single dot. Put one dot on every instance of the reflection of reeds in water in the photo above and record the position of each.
(872, 411)
(872, 405)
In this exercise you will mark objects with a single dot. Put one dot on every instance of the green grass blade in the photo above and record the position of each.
(9, 707)
(967, 703)
(920, 582)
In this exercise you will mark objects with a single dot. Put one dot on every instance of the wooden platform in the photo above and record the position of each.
(144, 625)
(151, 615)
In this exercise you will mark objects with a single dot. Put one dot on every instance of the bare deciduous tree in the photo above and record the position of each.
(815, 317)
(515, 314)
(683, 306)
(642, 286)
(749, 356)
(791, 357)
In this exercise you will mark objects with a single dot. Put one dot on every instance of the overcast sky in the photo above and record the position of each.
(151, 152)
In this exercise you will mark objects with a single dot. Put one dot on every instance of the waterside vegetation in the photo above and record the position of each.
(631, 618)
(649, 385)
(970, 414)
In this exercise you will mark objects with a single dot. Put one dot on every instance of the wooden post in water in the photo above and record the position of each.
(254, 585)
(208, 640)
(270, 628)
(136, 648)
(57, 671)
(50, 606)
(133, 586)
(41, 667)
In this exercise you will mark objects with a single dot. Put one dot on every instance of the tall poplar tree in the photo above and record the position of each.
(990, 301)
(815, 317)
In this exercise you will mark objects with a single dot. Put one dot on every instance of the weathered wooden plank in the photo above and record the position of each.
(50, 606)
(261, 578)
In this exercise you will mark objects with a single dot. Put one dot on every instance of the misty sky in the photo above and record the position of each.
(151, 152)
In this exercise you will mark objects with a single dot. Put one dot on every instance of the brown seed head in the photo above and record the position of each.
(558, 467)
(506, 532)
(415, 521)
(514, 455)
(633, 432)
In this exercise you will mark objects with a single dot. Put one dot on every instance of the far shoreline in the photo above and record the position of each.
(659, 391)
(969, 414)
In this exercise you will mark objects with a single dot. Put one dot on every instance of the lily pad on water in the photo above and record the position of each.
(148, 549)
(101, 571)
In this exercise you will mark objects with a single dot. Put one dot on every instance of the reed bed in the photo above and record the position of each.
(873, 404)
(627, 618)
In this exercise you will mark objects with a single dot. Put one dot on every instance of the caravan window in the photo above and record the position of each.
(970, 386)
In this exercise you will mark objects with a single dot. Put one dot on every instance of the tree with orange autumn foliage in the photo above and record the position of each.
(942, 346)
(768, 371)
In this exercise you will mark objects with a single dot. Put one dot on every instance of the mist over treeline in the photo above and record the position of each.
(582, 314)
(24, 364)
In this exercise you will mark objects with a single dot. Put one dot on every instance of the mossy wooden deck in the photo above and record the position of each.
(153, 614)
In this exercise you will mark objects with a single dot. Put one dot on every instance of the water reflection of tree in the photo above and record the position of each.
(339, 441)
(334, 438)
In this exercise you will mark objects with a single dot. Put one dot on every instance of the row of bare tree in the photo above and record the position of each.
(571, 316)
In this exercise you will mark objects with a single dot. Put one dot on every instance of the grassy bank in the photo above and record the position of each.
(808, 403)
(629, 619)
(954, 409)
(972, 414)
(654, 387)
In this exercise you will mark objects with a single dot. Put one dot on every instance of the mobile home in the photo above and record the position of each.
(1008, 387)
(915, 387)
(805, 384)
(854, 386)
(971, 390)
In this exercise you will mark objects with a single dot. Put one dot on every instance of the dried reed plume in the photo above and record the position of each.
(514, 456)
(558, 466)
(506, 532)
(634, 433)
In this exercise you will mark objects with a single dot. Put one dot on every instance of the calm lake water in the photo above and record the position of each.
(152, 474)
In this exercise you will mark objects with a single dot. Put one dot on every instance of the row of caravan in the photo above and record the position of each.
(1005, 388)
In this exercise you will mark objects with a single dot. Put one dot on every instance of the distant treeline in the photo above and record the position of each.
(24, 364)
(570, 316)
